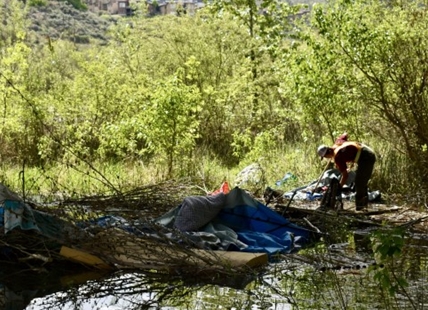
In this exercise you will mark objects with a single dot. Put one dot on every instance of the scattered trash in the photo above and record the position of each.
(316, 190)
(286, 179)
(224, 188)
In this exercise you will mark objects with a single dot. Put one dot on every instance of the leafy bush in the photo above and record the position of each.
(77, 4)
(37, 2)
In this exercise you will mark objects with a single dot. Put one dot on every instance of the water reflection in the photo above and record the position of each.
(20, 284)
(309, 280)
(146, 291)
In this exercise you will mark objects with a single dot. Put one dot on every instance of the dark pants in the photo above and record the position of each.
(362, 176)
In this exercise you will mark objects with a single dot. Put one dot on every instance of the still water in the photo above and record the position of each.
(89, 291)
(323, 278)
(134, 296)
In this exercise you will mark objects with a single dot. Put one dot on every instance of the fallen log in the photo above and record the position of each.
(84, 258)
(127, 251)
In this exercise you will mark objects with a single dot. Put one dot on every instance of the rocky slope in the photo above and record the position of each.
(59, 20)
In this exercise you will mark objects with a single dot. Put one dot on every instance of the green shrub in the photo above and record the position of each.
(37, 2)
(78, 5)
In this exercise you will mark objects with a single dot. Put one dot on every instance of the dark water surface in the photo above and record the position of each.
(343, 275)
(336, 278)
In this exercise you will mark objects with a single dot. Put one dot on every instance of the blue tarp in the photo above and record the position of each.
(242, 223)
(19, 215)
(244, 213)
(258, 226)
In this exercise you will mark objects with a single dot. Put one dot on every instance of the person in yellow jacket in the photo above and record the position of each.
(352, 152)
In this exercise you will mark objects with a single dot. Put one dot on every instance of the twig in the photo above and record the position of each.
(311, 225)
(413, 222)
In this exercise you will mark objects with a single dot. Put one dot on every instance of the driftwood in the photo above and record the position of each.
(313, 209)
(148, 201)
(126, 251)
(375, 215)
(339, 257)
(311, 217)
(112, 249)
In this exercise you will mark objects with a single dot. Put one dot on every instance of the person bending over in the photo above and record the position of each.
(352, 152)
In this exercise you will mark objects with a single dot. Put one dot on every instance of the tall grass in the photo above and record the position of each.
(390, 173)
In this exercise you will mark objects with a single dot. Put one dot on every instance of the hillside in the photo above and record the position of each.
(60, 20)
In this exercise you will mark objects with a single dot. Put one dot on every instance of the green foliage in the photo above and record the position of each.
(14, 25)
(359, 63)
(205, 96)
(172, 121)
(19, 128)
(205, 52)
(37, 2)
(228, 84)
(77, 4)
(387, 247)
